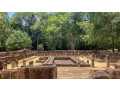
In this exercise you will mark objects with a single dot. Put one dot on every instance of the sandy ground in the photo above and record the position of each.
(75, 72)
(79, 72)
(68, 72)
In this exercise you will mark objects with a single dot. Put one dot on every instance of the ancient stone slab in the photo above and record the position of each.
(99, 74)
(114, 73)
(38, 61)
(8, 74)
(1, 65)
(37, 72)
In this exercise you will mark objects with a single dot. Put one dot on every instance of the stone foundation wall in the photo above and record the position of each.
(105, 74)
(8, 74)
(30, 72)
(99, 56)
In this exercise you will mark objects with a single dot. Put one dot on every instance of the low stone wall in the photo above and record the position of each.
(99, 74)
(16, 53)
(99, 56)
(9, 57)
(31, 72)
(105, 74)
(1, 65)
(63, 52)
(8, 74)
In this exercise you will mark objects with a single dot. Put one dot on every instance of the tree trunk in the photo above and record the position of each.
(112, 43)
(119, 49)
(37, 42)
(72, 46)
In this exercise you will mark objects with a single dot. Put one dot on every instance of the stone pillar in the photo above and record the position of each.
(12, 65)
(107, 61)
(16, 63)
(24, 62)
(87, 61)
(92, 62)
(1, 65)
(5, 66)
(95, 55)
(31, 63)
(92, 55)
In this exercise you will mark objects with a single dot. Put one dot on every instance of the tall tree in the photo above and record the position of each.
(23, 21)
(102, 27)
(3, 29)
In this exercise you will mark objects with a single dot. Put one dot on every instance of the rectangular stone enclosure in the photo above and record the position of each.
(65, 61)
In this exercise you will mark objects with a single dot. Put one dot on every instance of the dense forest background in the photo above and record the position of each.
(60, 31)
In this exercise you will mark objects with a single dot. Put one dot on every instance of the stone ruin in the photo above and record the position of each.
(57, 58)
(30, 72)
(105, 74)
(99, 74)
(14, 56)
(65, 61)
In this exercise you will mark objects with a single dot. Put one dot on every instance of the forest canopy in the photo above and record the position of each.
(60, 31)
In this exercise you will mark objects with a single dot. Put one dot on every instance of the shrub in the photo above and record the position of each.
(40, 47)
(18, 40)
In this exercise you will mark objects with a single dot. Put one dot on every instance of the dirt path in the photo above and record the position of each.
(75, 72)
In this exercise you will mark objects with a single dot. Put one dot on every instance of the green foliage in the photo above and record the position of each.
(40, 47)
(23, 21)
(2, 31)
(18, 40)
(60, 30)
(101, 29)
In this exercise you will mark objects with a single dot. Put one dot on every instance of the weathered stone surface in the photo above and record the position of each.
(13, 64)
(21, 54)
(92, 62)
(0, 74)
(8, 74)
(65, 61)
(24, 62)
(5, 66)
(114, 73)
(31, 63)
(16, 63)
(79, 62)
(43, 58)
(99, 74)
(1, 65)
(38, 61)
(37, 72)
(107, 61)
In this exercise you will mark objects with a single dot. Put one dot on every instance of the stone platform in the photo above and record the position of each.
(65, 61)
